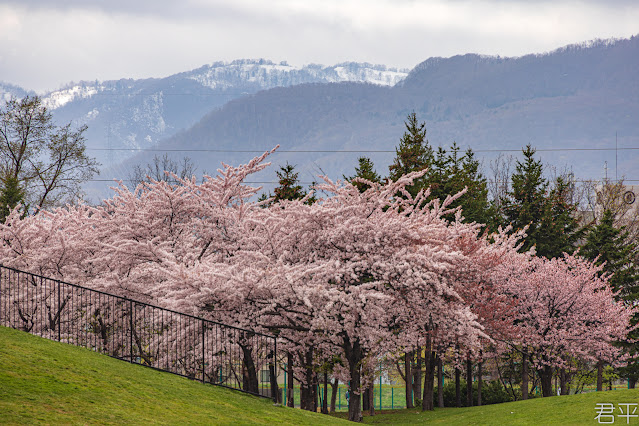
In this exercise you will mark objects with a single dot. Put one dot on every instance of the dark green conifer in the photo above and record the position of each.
(413, 154)
(289, 187)
(549, 213)
(364, 170)
(611, 247)
(10, 196)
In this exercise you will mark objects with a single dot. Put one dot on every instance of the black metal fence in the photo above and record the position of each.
(140, 333)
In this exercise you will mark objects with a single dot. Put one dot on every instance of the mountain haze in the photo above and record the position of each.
(128, 115)
(575, 97)
(574, 100)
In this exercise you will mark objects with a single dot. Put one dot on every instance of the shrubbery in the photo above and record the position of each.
(491, 393)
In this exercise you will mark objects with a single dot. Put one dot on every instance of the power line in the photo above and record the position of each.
(311, 183)
(311, 151)
(362, 151)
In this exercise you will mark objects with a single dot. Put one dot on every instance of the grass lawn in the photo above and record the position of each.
(49, 382)
(557, 410)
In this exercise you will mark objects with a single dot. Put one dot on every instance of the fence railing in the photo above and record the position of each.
(140, 333)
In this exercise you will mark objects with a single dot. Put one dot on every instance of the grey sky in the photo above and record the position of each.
(44, 43)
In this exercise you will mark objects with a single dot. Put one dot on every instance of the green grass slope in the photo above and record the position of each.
(48, 382)
(557, 410)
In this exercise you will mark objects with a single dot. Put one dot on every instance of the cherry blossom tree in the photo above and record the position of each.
(345, 272)
(353, 277)
(565, 309)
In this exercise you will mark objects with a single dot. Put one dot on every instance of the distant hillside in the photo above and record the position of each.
(135, 114)
(8, 90)
(575, 97)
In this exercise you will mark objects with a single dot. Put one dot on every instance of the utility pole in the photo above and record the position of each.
(616, 159)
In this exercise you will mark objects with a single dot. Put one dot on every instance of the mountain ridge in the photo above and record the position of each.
(133, 114)
(574, 98)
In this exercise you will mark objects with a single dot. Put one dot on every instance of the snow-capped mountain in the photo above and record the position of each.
(267, 74)
(7, 91)
(569, 104)
(126, 115)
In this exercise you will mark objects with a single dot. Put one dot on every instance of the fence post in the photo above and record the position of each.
(203, 364)
(392, 398)
(277, 387)
(59, 312)
(131, 327)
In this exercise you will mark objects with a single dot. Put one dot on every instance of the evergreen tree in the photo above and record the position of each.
(413, 154)
(11, 195)
(612, 248)
(364, 170)
(559, 231)
(452, 173)
(549, 214)
(448, 172)
(289, 187)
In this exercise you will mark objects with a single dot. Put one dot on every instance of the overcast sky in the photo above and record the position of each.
(47, 43)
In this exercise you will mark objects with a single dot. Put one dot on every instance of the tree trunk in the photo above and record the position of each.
(304, 396)
(371, 399)
(417, 376)
(480, 380)
(457, 387)
(325, 399)
(469, 381)
(429, 358)
(429, 380)
(599, 376)
(290, 390)
(524, 374)
(409, 376)
(315, 393)
(632, 382)
(366, 400)
(354, 356)
(334, 390)
(275, 390)
(563, 382)
(440, 382)
(546, 381)
(306, 389)
(250, 383)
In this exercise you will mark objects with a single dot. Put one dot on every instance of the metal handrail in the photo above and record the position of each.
(98, 320)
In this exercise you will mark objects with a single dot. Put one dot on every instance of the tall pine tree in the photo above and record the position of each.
(612, 248)
(413, 154)
(448, 172)
(553, 228)
(365, 170)
(289, 187)
(451, 173)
